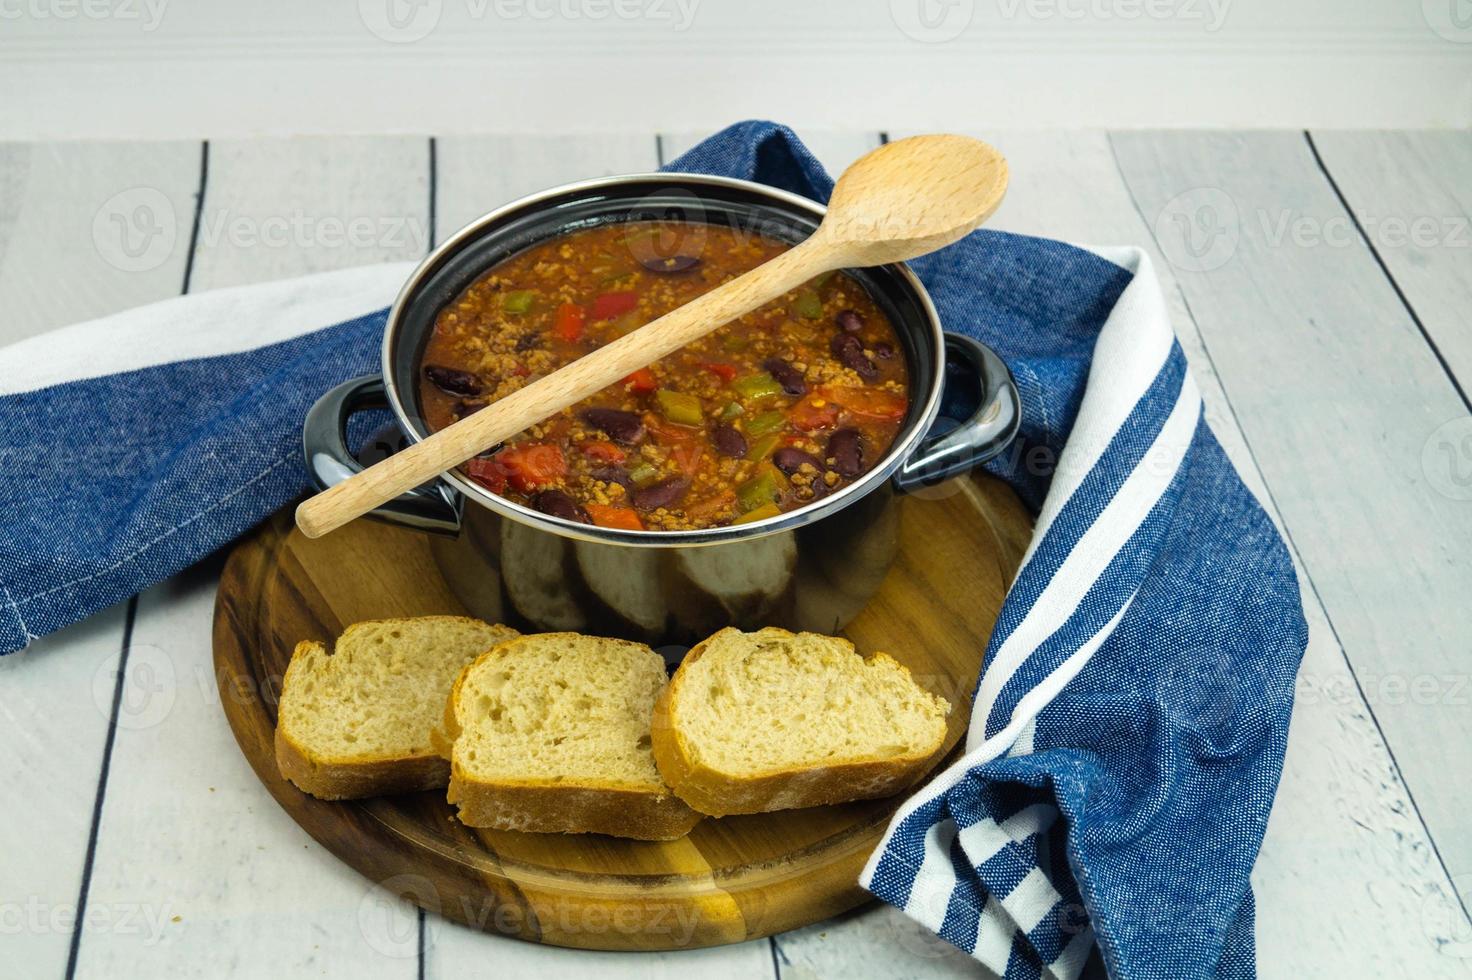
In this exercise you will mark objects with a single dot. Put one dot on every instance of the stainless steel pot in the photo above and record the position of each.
(812, 568)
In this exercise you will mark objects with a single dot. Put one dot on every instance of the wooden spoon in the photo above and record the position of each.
(902, 200)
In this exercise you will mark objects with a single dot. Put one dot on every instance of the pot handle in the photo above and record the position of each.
(432, 507)
(988, 431)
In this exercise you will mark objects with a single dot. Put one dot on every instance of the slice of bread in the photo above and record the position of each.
(357, 722)
(772, 720)
(550, 733)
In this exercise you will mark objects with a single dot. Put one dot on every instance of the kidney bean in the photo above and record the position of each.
(613, 474)
(883, 351)
(849, 321)
(789, 460)
(846, 449)
(661, 494)
(850, 353)
(728, 441)
(558, 504)
(670, 265)
(451, 380)
(620, 426)
(789, 377)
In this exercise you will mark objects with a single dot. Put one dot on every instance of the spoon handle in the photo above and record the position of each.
(589, 374)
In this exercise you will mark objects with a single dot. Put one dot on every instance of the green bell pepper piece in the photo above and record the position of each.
(765, 424)
(758, 491)
(758, 513)
(755, 386)
(763, 447)
(518, 301)
(643, 474)
(680, 408)
(808, 305)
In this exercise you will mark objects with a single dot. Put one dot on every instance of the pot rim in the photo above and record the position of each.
(900, 450)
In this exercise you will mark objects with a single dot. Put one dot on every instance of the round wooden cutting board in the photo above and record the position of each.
(731, 879)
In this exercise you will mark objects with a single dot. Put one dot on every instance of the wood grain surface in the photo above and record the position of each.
(731, 879)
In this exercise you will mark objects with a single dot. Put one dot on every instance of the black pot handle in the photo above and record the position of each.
(986, 433)
(434, 506)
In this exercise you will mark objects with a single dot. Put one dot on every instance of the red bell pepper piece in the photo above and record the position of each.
(604, 452)
(624, 518)
(813, 413)
(723, 371)
(611, 305)
(641, 382)
(567, 323)
(530, 466)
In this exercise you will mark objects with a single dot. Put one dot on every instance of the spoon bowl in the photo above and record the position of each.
(913, 196)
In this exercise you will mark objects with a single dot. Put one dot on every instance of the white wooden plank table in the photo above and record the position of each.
(1333, 367)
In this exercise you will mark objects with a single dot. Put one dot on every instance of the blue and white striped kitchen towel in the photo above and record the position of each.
(1129, 725)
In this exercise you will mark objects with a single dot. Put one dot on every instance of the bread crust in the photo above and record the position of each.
(590, 807)
(718, 794)
(335, 778)
(329, 779)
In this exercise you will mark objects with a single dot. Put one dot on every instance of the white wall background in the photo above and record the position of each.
(190, 68)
